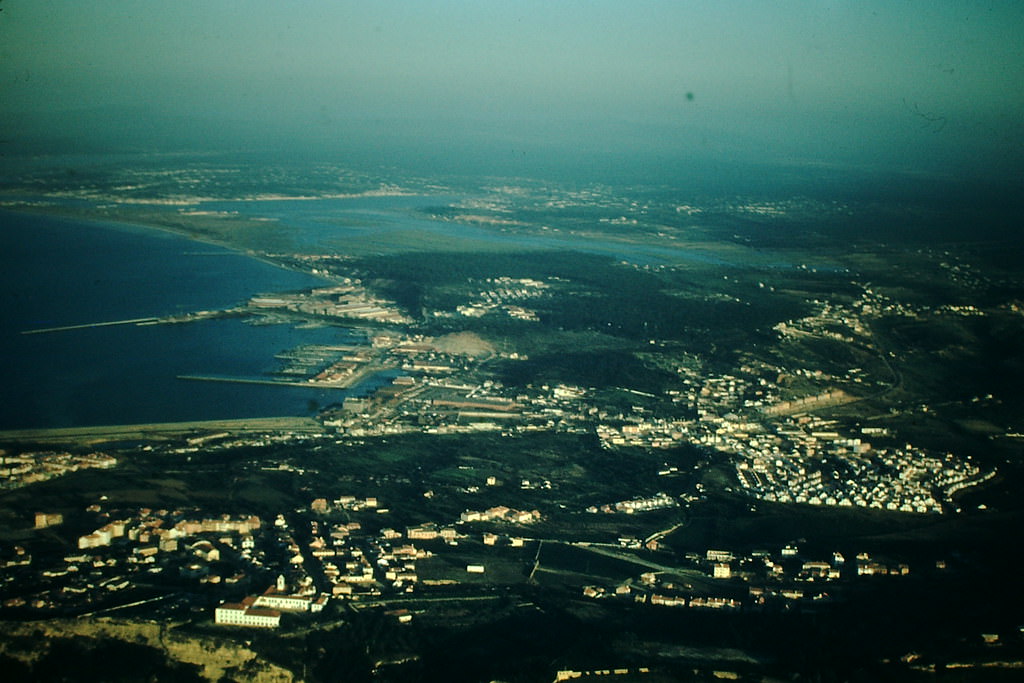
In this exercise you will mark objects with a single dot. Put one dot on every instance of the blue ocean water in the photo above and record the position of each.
(59, 271)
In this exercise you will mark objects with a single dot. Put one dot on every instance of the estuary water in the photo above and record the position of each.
(60, 271)
(373, 223)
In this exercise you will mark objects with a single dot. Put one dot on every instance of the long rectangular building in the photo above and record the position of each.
(245, 614)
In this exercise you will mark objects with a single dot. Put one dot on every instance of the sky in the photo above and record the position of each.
(931, 85)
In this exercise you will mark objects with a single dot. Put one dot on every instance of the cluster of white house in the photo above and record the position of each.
(498, 298)
(158, 528)
(904, 479)
(501, 513)
(27, 468)
(659, 501)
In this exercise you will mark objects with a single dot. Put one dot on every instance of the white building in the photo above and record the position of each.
(245, 614)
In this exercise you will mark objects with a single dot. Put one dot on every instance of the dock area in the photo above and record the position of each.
(345, 382)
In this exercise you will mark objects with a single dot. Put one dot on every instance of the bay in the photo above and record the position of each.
(60, 271)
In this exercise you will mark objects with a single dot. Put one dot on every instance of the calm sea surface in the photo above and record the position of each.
(59, 271)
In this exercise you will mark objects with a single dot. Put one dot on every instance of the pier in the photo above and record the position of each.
(152, 320)
(254, 380)
(83, 326)
(344, 383)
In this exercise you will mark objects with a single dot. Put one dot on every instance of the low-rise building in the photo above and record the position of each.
(245, 613)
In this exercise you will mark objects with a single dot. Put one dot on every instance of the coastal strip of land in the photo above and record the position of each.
(162, 430)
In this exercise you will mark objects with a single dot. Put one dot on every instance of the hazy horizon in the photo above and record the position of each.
(929, 88)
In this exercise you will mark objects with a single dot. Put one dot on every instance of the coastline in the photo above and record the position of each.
(89, 221)
(160, 430)
(89, 215)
